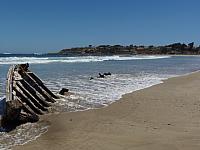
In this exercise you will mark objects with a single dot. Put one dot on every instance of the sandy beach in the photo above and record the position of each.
(162, 117)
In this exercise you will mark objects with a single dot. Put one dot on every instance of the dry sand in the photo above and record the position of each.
(162, 117)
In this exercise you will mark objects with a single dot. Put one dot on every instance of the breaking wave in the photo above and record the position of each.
(82, 59)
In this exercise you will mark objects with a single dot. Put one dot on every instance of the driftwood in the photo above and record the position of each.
(26, 96)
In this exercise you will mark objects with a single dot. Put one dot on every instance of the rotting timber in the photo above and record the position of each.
(26, 97)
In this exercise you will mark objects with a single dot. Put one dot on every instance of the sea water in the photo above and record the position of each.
(129, 73)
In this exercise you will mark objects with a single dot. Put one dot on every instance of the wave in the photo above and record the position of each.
(21, 60)
(6, 53)
(82, 59)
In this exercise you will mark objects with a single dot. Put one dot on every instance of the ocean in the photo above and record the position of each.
(129, 73)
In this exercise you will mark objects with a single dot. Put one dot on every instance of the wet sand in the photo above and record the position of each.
(162, 117)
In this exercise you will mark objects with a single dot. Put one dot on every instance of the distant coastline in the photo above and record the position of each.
(30, 55)
(110, 50)
(171, 49)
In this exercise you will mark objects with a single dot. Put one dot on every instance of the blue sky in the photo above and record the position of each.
(28, 26)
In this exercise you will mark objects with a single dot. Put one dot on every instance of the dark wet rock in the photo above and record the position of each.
(64, 91)
(101, 75)
(91, 78)
(107, 74)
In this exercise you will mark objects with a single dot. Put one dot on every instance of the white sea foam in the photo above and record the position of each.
(21, 135)
(82, 59)
(101, 92)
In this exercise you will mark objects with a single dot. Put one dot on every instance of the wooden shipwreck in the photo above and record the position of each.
(26, 96)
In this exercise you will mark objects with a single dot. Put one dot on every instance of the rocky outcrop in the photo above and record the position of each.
(175, 48)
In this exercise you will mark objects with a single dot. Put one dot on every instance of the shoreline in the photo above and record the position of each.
(94, 114)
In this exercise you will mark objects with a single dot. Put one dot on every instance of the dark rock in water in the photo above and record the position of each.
(101, 75)
(64, 91)
(107, 74)
(91, 78)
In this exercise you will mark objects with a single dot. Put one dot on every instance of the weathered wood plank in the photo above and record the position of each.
(26, 108)
(29, 80)
(34, 93)
(9, 84)
(39, 82)
(25, 100)
(30, 97)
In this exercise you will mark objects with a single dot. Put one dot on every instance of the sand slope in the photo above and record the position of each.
(163, 117)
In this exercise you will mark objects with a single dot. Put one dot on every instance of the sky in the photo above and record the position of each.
(28, 26)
